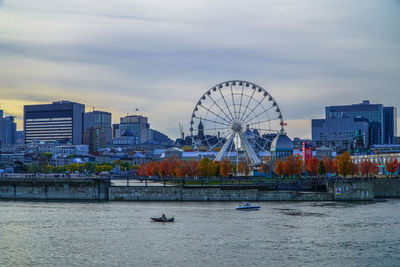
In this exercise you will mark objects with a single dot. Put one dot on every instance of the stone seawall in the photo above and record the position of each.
(100, 189)
(387, 188)
(172, 193)
(54, 188)
(349, 190)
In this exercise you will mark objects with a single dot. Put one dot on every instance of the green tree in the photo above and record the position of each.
(60, 169)
(321, 168)
(74, 167)
(90, 167)
(203, 168)
(47, 155)
(104, 168)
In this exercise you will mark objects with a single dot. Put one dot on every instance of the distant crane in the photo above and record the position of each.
(181, 131)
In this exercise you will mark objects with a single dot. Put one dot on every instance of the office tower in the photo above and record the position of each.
(97, 129)
(339, 133)
(137, 125)
(382, 120)
(8, 129)
(390, 124)
(60, 122)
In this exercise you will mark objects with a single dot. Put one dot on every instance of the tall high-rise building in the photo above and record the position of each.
(115, 130)
(137, 125)
(61, 121)
(8, 130)
(390, 125)
(97, 129)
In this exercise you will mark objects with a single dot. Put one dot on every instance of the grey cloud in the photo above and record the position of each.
(307, 54)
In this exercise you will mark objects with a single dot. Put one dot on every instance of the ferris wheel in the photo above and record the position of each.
(235, 117)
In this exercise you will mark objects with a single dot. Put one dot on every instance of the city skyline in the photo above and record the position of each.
(130, 55)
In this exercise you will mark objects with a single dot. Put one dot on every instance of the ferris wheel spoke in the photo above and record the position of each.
(265, 139)
(249, 150)
(231, 146)
(224, 148)
(221, 128)
(210, 136)
(248, 103)
(262, 121)
(217, 122)
(241, 99)
(209, 110)
(263, 148)
(233, 101)
(215, 103)
(226, 104)
(252, 110)
(259, 114)
(262, 129)
(220, 141)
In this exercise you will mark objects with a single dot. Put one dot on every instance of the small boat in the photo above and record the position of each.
(247, 206)
(161, 219)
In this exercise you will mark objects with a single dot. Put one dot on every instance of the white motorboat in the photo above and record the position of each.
(247, 206)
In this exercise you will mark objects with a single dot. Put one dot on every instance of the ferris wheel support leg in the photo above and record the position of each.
(224, 148)
(252, 154)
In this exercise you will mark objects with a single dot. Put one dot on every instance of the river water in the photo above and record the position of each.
(204, 234)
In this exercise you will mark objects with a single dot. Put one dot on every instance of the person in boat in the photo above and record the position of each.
(163, 216)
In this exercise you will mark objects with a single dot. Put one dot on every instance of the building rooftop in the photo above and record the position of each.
(281, 142)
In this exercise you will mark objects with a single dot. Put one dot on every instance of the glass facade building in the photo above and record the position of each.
(8, 130)
(101, 121)
(382, 120)
(60, 122)
(390, 125)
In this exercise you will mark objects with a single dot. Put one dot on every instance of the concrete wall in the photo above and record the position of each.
(54, 188)
(171, 193)
(387, 188)
(354, 190)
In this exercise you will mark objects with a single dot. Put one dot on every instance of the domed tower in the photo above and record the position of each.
(200, 134)
(281, 147)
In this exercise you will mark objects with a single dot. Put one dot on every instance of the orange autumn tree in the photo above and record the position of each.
(243, 167)
(293, 165)
(193, 167)
(168, 167)
(225, 167)
(142, 169)
(344, 164)
(392, 166)
(279, 167)
(312, 165)
(152, 168)
(355, 169)
(182, 169)
(368, 168)
(329, 165)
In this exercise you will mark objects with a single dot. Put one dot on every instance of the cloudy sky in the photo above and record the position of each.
(160, 56)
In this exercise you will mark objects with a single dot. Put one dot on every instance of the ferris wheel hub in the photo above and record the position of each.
(237, 127)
